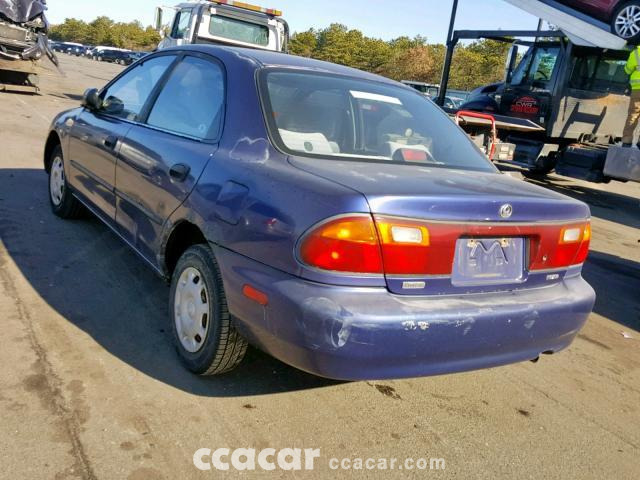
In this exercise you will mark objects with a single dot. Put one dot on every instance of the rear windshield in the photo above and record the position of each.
(239, 30)
(330, 116)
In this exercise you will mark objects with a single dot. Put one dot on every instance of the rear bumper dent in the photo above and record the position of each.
(355, 333)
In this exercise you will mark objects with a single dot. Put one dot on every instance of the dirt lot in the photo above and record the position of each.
(90, 386)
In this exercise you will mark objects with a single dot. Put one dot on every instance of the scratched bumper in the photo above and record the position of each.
(356, 333)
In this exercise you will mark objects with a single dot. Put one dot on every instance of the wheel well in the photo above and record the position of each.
(183, 236)
(52, 141)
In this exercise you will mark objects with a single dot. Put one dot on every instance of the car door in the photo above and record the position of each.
(96, 135)
(161, 160)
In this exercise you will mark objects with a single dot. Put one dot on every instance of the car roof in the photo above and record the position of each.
(267, 58)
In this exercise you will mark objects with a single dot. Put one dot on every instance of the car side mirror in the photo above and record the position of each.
(157, 20)
(91, 99)
(512, 58)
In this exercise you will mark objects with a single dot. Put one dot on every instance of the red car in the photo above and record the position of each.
(623, 16)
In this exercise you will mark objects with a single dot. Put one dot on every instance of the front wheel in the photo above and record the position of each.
(625, 22)
(206, 340)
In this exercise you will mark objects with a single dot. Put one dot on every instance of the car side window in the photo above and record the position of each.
(126, 97)
(191, 102)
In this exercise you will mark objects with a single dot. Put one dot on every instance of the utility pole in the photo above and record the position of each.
(444, 82)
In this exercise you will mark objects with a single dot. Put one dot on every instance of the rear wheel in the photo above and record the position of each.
(207, 342)
(626, 21)
(63, 203)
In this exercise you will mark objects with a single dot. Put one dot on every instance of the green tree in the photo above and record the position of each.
(304, 44)
(404, 58)
(104, 31)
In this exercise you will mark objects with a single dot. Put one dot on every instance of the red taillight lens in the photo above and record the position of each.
(397, 246)
(413, 247)
(346, 244)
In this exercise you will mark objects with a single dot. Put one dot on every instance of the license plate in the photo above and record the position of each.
(488, 261)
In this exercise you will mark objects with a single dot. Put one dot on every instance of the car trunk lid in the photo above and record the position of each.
(488, 232)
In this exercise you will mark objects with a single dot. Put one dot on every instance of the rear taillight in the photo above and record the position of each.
(396, 246)
(571, 247)
(344, 244)
(412, 247)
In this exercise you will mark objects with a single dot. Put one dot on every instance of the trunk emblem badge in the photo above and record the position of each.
(506, 210)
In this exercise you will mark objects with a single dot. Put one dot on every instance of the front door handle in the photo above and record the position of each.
(110, 142)
(179, 172)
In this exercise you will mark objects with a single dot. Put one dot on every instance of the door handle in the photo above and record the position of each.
(110, 142)
(179, 172)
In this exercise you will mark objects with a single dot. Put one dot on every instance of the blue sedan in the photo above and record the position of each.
(333, 218)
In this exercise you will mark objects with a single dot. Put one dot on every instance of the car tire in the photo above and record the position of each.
(624, 28)
(205, 338)
(63, 203)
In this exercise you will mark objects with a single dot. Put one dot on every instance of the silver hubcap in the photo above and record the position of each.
(628, 22)
(56, 181)
(191, 313)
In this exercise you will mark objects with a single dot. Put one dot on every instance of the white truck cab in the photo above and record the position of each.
(227, 22)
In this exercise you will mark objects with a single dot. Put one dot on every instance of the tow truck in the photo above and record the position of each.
(562, 106)
(227, 22)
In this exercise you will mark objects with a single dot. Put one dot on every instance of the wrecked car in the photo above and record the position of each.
(336, 219)
(23, 41)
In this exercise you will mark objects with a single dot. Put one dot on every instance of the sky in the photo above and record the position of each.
(384, 19)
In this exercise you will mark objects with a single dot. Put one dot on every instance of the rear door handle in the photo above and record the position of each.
(179, 172)
(110, 142)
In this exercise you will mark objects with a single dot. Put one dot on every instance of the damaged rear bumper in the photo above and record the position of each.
(355, 333)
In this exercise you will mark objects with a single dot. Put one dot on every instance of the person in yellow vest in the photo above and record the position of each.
(633, 70)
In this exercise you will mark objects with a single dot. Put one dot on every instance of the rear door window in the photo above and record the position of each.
(191, 102)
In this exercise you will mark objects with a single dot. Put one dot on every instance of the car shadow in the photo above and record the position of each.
(604, 204)
(20, 90)
(616, 281)
(67, 96)
(87, 274)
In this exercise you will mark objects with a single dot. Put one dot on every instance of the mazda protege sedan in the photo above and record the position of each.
(335, 219)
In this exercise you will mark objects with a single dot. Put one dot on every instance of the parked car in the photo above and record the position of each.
(334, 218)
(131, 57)
(111, 55)
(77, 50)
(622, 15)
(93, 51)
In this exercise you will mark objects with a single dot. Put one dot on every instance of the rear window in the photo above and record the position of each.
(595, 72)
(329, 116)
(239, 30)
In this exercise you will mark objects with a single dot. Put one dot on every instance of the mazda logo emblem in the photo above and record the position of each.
(506, 210)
